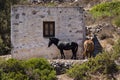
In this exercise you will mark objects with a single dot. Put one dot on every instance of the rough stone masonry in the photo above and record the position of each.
(27, 30)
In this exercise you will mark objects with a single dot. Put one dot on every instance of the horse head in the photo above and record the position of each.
(50, 42)
(53, 41)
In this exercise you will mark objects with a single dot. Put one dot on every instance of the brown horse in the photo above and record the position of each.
(88, 48)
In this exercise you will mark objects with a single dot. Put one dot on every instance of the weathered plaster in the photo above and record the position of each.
(27, 30)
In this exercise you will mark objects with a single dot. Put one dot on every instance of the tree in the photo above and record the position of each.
(5, 8)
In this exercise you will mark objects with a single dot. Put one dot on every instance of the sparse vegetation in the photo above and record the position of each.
(116, 21)
(102, 64)
(51, 4)
(106, 9)
(109, 10)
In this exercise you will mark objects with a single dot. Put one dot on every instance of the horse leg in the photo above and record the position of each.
(91, 54)
(84, 53)
(73, 54)
(74, 51)
(62, 54)
(83, 56)
(87, 54)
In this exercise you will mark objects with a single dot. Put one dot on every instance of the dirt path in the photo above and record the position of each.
(64, 77)
(5, 57)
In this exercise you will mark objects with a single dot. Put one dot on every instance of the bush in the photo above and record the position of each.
(39, 69)
(101, 65)
(4, 48)
(33, 69)
(79, 72)
(106, 9)
(12, 69)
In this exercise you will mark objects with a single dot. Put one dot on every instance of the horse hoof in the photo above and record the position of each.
(83, 58)
(75, 58)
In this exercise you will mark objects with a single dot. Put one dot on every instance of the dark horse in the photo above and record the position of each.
(64, 46)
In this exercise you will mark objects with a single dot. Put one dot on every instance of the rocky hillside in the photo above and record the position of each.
(103, 27)
(82, 3)
(102, 23)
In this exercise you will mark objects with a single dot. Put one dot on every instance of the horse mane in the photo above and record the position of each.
(53, 38)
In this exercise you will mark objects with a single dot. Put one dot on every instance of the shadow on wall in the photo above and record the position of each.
(98, 48)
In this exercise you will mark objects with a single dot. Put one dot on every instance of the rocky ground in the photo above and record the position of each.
(64, 77)
(61, 65)
(106, 33)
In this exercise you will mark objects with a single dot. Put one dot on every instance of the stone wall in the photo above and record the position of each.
(27, 30)
(46, 1)
(61, 66)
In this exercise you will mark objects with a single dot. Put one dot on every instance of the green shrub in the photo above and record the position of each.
(2, 45)
(32, 69)
(12, 65)
(40, 69)
(79, 72)
(13, 76)
(106, 9)
(12, 69)
(101, 64)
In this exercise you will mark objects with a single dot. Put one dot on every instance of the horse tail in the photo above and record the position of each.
(76, 49)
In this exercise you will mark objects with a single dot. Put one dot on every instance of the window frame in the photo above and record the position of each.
(44, 30)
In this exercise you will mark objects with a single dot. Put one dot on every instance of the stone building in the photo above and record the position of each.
(31, 26)
(47, 1)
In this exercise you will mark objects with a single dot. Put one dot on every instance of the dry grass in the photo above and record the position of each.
(110, 41)
(5, 57)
